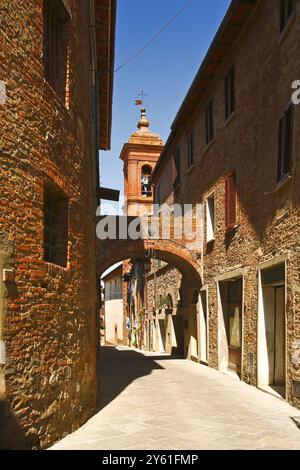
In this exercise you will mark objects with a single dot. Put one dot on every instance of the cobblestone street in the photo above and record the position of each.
(153, 402)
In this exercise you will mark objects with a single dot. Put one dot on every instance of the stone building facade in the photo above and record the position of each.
(113, 307)
(139, 156)
(235, 141)
(56, 60)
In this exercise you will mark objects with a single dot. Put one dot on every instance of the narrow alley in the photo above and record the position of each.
(149, 226)
(150, 401)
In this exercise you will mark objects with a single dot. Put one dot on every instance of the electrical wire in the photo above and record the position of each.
(154, 37)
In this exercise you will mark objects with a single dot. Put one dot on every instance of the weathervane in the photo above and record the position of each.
(140, 102)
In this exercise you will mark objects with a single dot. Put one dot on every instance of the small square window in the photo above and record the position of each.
(231, 201)
(287, 7)
(230, 103)
(177, 167)
(56, 20)
(190, 150)
(209, 122)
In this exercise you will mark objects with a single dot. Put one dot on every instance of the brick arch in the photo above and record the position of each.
(110, 252)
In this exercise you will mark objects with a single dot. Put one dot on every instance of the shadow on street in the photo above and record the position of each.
(12, 436)
(118, 369)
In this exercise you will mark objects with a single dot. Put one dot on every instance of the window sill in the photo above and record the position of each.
(285, 32)
(191, 168)
(283, 183)
(230, 118)
(231, 229)
(52, 266)
(207, 147)
(56, 94)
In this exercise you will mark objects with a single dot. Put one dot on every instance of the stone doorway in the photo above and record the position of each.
(230, 328)
(203, 326)
(272, 330)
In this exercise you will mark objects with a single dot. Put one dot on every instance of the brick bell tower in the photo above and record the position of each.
(140, 156)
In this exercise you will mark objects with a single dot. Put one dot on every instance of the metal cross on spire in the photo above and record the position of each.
(143, 94)
(140, 102)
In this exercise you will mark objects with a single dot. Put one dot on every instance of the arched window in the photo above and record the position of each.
(146, 181)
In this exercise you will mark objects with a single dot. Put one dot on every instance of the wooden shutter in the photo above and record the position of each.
(177, 166)
(227, 97)
(209, 123)
(190, 149)
(231, 201)
(206, 126)
(282, 14)
(286, 9)
(280, 149)
(290, 7)
(232, 90)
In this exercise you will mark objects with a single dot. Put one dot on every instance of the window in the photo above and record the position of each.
(56, 20)
(231, 201)
(230, 93)
(209, 122)
(113, 289)
(55, 225)
(286, 9)
(285, 144)
(210, 218)
(190, 150)
(177, 166)
(146, 181)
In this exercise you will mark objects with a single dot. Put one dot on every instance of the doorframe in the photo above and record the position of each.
(199, 313)
(283, 259)
(241, 273)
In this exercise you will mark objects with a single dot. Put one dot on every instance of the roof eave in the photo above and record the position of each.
(203, 80)
(105, 15)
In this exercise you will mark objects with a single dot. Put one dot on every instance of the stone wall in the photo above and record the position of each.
(268, 222)
(168, 281)
(51, 316)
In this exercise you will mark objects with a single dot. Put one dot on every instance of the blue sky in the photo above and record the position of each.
(165, 70)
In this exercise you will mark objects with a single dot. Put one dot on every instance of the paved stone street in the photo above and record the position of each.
(152, 402)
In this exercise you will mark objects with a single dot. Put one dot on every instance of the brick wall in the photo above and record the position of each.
(268, 219)
(168, 281)
(51, 314)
